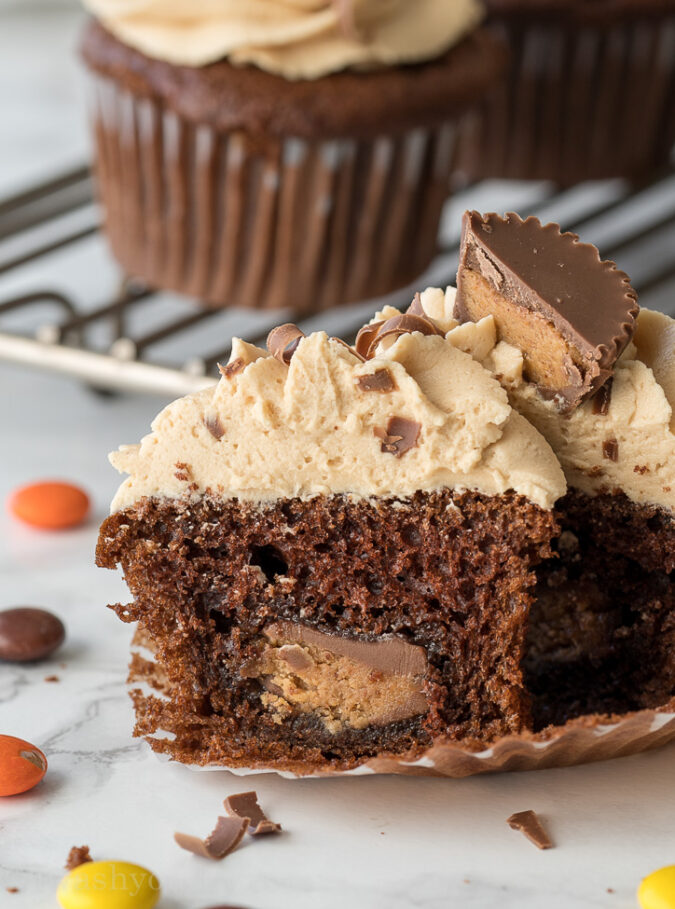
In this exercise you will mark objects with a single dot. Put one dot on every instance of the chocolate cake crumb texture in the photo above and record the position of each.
(528, 823)
(245, 805)
(224, 838)
(77, 856)
(571, 313)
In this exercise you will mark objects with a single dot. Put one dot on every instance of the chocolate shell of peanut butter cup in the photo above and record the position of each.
(564, 293)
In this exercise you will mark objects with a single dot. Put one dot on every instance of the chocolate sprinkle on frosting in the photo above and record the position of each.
(552, 275)
(610, 449)
(602, 398)
(225, 837)
(400, 435)
(283, 340)
(232, 369)
(245, 805)
(528, 823)
(214, 426)
(380, 380)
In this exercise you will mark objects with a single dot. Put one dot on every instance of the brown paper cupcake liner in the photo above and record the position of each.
(579, 741)
(301, 224)
(582, 102)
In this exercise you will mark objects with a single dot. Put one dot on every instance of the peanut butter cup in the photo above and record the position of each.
(570, 313)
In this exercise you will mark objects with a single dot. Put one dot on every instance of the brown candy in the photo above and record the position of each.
(570, 313)
(28, 634)
(283, 341)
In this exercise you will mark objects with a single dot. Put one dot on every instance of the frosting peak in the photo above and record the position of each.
(420, 414)
(297, 39)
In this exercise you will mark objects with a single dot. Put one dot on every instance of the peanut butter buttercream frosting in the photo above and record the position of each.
(311, 416)
(296, 39)
(620, 440)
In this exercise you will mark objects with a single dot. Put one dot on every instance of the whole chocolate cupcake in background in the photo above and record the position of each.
(281, 153)
(590, 95)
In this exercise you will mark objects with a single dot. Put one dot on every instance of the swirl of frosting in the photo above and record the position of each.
(297, 39)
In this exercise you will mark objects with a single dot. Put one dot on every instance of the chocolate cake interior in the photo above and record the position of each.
(323, 631)
(601, 635)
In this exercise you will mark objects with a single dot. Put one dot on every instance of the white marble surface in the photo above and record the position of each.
(367, 843)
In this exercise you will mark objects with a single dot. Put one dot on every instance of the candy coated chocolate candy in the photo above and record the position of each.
(22, 765)
(27, 633)
(108, 885)
(50, 505)
(657, 890)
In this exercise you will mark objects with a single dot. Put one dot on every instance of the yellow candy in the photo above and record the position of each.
(657, 890)
(108, 885)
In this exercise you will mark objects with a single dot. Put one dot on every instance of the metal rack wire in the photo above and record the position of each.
(57, 215)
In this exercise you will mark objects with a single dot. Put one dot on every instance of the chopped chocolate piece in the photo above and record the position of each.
(371, 335)
(226, 836)
(351, 350)
(12, 889)
(570, 313)
(366, 339)
(283, 340)
(416, 308)
(78, 855)
(28, 633)
(214, 426)
(610, 449)
(183, 471)
(52, 678)
(641, 469)
(528, 823)
(245, 805)
(380, 380)
(232, 369)
(602, 398)
(400, 435)
(387, 654)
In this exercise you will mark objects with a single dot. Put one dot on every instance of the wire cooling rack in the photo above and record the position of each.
(64, 307)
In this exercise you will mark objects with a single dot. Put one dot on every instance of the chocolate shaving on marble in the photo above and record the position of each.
(232, 369)
(380, 380)
(528, 823)
(214, 426)
(602, 398)
(400, 435)
(78, 855)
(245, 805)
(282, 341)
(610, 450)
(225, 837)
(406, 323)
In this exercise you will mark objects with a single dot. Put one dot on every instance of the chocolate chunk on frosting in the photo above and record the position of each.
(282, 341)
(371, 336)
(400, 435)
(380, 380)
(570, 313)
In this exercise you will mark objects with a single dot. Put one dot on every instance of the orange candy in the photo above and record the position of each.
(51, 505)
(22, 765)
